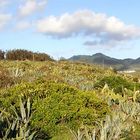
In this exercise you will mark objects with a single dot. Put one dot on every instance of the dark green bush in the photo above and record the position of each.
(117, 83)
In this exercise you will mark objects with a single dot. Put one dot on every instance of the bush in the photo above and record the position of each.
(57, 106)
(117, 83)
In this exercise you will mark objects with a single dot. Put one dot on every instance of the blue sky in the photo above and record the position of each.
(66, 28)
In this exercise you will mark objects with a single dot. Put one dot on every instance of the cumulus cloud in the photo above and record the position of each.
(22, 25)
(30, 6)
(101, 28)
(4, 19)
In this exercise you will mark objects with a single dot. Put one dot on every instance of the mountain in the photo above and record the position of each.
(136, 61)
(101, 59)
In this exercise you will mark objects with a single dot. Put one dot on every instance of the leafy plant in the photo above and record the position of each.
(18, 125)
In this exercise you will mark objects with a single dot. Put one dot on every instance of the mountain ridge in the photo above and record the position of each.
(102, 59)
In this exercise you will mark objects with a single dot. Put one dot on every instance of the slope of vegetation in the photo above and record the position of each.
(67, 100)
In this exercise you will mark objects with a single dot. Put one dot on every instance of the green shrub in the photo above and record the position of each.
(57, 106)
(117, 83)
(60, 110)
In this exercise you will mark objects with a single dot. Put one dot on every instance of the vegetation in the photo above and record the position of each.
(20, 54)
(17, 125)
(1, 55)
(55, 100)
(117, 83)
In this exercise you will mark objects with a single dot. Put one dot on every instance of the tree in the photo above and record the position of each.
(20, 54)
(2, 55)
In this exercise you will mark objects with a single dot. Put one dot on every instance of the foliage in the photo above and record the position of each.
(122, 124)
(116, 83)
(20, 54)
(2, 55)
(17, 126)
(88, 100)
(57, 105)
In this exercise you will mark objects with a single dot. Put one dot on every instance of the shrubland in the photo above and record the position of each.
(67, 100)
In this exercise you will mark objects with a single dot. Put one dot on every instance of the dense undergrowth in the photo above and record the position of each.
(69, 101)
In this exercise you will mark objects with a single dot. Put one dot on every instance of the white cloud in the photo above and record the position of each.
(103, 30)
(31, 6)
(3, 3)
(4, 19)
(22, 25)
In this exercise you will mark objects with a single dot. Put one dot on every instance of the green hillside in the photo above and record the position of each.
(101, 59)
(61, 100)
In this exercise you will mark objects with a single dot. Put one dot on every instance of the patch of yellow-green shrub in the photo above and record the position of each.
(57, 106)
(67, 95)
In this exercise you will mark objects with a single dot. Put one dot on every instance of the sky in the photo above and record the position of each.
(63, 28)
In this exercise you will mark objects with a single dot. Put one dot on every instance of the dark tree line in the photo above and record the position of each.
(20, 54)
(1, 55)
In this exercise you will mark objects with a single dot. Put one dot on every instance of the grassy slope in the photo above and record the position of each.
(80, 76)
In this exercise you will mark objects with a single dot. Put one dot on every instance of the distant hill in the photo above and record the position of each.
(136, 61)
(101, 59)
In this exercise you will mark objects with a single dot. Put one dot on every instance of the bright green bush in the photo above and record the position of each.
(57, 106)
(63, 109)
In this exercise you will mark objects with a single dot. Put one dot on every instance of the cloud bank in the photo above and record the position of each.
(100, 28)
